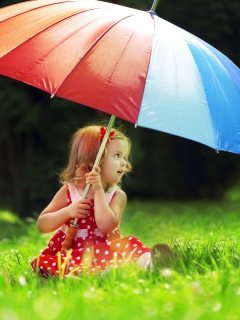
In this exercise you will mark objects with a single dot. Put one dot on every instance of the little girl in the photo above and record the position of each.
(98, 243)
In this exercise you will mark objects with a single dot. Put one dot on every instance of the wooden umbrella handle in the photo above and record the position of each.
(70, 236)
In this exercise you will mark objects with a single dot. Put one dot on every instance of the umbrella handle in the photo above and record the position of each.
(154, 5)
(73, 227)
(71, 233)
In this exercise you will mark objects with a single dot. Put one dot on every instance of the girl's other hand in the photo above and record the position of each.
(79, 209)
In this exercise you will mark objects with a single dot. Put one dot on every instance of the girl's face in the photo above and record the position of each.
(114, 165)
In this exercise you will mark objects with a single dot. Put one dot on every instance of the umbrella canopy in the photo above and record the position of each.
(125, 62)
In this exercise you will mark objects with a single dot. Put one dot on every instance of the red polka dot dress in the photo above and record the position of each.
(91, 252)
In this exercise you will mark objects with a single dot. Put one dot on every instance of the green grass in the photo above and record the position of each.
(202, 283)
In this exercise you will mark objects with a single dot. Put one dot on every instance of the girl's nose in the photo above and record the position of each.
(123, 162)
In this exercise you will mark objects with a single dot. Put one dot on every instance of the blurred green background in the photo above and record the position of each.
(35, 130)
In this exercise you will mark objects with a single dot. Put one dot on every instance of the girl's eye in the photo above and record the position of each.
(117, 155)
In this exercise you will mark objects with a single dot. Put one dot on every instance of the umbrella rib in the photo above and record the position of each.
(30, 8)
(88, 50)
(113, 69)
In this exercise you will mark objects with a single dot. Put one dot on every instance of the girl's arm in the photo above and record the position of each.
(107, 216)
(58, 212)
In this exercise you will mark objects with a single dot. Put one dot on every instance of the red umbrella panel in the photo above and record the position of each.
(66, 48)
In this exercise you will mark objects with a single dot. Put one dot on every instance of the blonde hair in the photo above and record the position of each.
(84, 147)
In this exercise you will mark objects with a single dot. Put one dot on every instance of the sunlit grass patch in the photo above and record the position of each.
(9, 217)
(203, 281)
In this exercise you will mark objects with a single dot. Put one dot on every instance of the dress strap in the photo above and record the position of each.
(110, 193)
(73, 192)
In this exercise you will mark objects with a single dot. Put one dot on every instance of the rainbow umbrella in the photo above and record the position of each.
(125, 62)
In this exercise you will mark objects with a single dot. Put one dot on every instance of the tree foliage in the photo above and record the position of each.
(35, 130)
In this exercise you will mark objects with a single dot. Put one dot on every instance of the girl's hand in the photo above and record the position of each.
(94, 179)
(79, 209)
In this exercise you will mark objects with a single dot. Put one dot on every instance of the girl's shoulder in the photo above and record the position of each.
(112, 191)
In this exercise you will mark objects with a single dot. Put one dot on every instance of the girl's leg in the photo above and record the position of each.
(144, 260)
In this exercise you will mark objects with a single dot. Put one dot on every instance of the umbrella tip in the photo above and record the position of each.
(152, 12)
(52, 96)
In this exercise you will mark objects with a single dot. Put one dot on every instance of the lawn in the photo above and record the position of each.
(202, 283)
